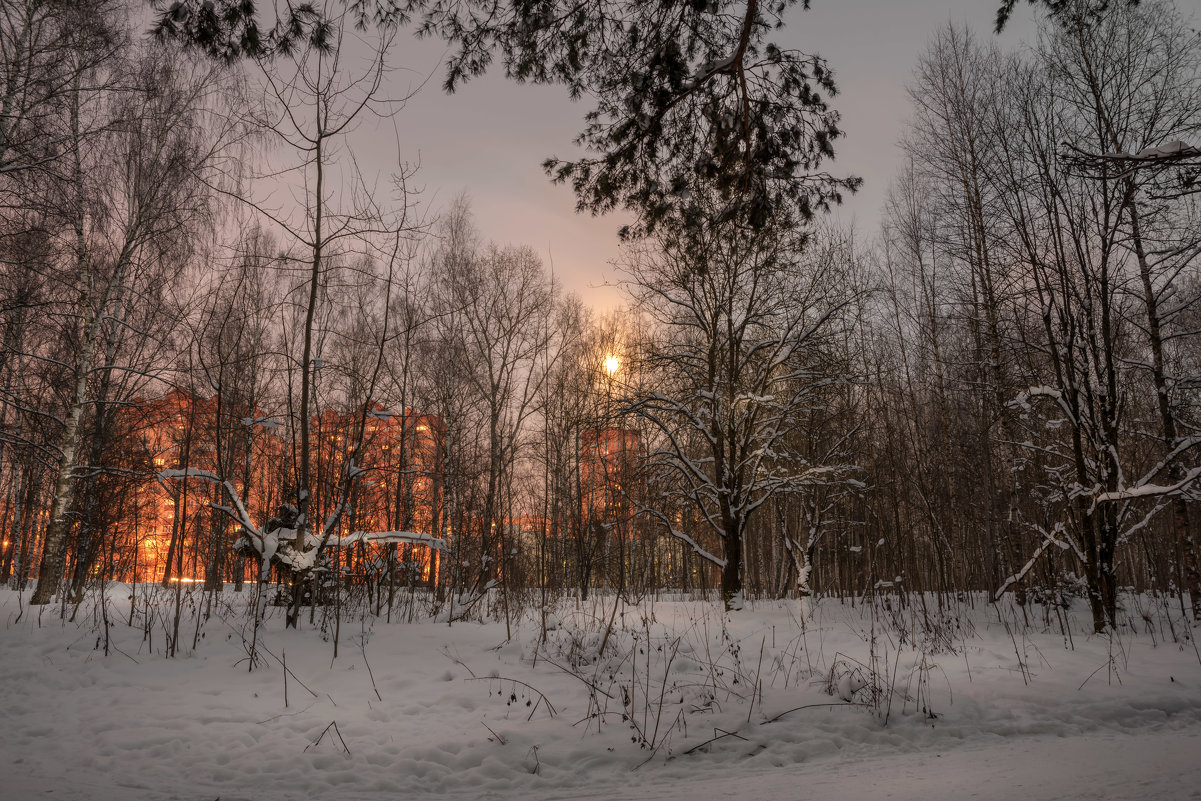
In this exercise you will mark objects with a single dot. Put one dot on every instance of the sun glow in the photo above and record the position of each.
(611, 364)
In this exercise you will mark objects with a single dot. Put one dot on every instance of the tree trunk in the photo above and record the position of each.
(731, 572)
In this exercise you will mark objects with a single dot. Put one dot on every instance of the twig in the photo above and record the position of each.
(277, 659)
(758, 672)
(657, 746)
(333, 724)
(597, 714)
(549, 707)
(810, 706)
(498, 737)
(457, 661)
(675, 648)
(590, 684)
(1108, 664)
(363, 651)
(609, 628)
(286, 714)
(118, 650)
(715, 738)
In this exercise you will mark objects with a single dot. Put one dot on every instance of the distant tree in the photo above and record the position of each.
(231, 345)
(495, 305)
(566, 411)
(953, 147)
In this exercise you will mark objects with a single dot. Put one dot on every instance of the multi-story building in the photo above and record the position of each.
(607, 465)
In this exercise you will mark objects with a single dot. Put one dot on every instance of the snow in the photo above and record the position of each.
(191, 472)
(984, 706)
(414, 537)
(1172, 149)
(1022, 400)
(1148, 489)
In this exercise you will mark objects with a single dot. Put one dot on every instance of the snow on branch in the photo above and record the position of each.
(696, 547)
(1049, 540)
(389, 537)
(1167, 151)
(189, 472)
(1150, 161)
(1022, 400)
(1147, 490)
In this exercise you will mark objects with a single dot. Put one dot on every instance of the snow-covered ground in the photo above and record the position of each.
(983, 706)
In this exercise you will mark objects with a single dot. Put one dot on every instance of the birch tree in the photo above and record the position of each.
(131, 200)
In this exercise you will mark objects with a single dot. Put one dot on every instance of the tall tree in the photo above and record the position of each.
(1094, 80)
(496, 304)
(132, 200)
(1137, 75)
(744, 318)
(311, 100)
(46, 47)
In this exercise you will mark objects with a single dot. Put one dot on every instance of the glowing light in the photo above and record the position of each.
(611, 364)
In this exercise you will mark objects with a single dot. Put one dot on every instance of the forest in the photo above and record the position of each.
(311, 489)
(221, 336)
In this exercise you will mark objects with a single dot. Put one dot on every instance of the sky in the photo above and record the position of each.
(490, 137)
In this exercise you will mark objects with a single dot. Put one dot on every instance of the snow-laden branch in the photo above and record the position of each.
(1147, 490)
(1049, 540)
(189, 472)
(1167, 151)
(696, 547)
(389, 537)
(278, 545)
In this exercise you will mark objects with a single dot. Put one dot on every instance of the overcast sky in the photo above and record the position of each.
(489, 138)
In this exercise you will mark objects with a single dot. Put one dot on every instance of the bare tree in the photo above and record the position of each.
(1138, 75)
(48, 48)
(133, 200)
(495, 305)
(744, 317)
(1083, 244)
(312, 99)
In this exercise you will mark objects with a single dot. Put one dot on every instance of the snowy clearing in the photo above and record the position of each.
(983, 707)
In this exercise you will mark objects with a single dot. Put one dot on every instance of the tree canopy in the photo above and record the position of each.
(1059, 8)
(689, 97)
